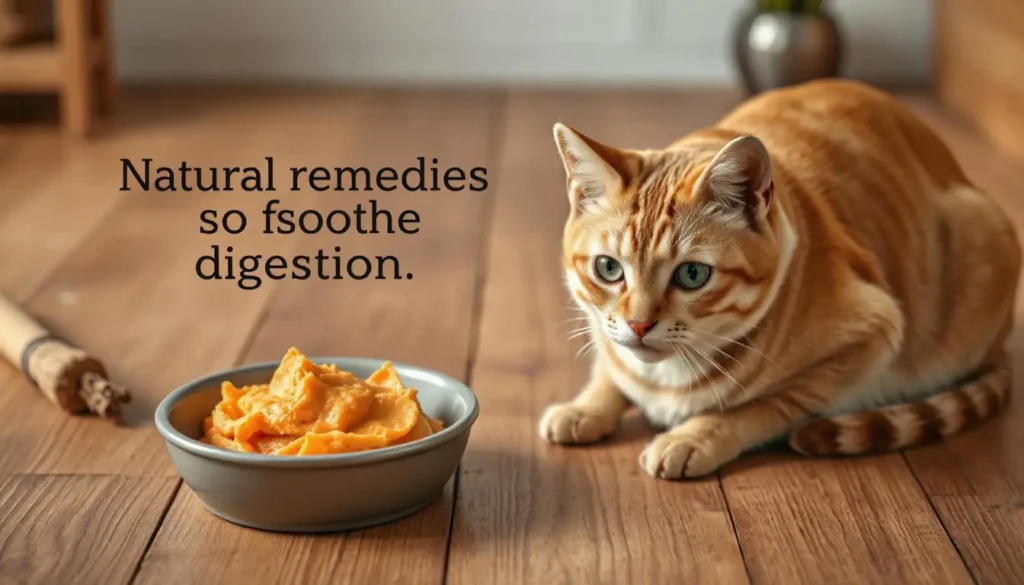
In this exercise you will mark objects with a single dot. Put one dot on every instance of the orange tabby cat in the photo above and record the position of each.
(816, 265)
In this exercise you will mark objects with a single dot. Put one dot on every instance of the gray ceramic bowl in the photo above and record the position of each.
(318, 493)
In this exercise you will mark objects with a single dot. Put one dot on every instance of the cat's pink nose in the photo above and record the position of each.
(641, 327)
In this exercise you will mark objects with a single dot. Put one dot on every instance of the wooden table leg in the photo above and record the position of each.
(106, 72)
(74, 40)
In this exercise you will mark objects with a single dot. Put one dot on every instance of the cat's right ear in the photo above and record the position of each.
(594, 172)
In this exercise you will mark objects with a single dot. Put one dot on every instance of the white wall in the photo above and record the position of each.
(469, 41)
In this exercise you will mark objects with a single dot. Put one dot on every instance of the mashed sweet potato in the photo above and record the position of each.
(317, 409)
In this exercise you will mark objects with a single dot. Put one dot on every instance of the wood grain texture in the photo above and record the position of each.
(979, 54)
(114, 272)
(426, 320)
(39, 175)
(857, 521)
(76, 529)
(528, 512)
(32, 67)
(1008, 15)
(106, 66)
(74, 40)
(131, 296)
(194, 547)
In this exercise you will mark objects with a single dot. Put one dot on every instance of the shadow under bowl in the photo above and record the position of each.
(317, 493)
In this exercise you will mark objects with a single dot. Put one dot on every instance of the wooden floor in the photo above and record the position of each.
(84, 502)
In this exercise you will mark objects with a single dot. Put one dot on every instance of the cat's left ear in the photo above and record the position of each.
(738, 181)
(595, 172)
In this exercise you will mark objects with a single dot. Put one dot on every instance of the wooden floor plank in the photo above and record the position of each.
(976, 480)
(988, 531)
(130, 295)
(426, 321)
(525, 511)
(76, 529)
(192, 547)
(528, 512)
(41, 185)
(54, 193)
(852, 521)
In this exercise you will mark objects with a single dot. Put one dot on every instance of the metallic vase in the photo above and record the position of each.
(775, 49)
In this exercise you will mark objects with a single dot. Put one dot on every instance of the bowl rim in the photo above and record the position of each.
(195, 447)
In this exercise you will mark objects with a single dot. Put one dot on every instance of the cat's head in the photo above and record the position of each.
(670, 248)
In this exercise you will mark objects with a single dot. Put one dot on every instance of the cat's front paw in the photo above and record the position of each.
(568, 424)
(678, 454)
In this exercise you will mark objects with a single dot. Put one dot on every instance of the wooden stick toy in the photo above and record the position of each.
(69, 377)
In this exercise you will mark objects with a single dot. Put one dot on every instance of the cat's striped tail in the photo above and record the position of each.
(907, 424)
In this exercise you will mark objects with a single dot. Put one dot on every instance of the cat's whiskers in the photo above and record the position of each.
(760, 327)
(679, 352)
(737, 342)
(716, 348)
(588, 326)
(579, 332)
(742, 388)
(587, 329)
(710, 384)
(576, 318)
(586, 348)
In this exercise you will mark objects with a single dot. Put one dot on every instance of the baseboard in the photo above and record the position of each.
(296, 62)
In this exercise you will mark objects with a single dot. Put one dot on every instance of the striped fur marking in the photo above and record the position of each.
(905, 425)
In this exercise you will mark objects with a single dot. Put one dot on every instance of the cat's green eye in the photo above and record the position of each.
(608, 269)
(691, 275)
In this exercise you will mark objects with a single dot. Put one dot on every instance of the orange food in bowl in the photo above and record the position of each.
(317, 409)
